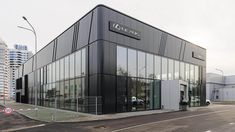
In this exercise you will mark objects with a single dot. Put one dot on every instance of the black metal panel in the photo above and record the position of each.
(108, 58)
(108, 83)
(203, 87)
(65, 43)
(45, 55)
(84, 29)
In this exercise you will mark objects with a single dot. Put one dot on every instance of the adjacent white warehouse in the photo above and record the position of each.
(220, 88)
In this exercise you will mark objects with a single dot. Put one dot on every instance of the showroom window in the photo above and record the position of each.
(121, 61)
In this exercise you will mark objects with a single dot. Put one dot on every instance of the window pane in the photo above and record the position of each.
(132, 94)
(150, 66)
(66, 95)
(57, 70)
(157, 67)
(141, 84)
(196, 74)
(78, 63)
(157, 94)
(121, 61)
(62, 69)
(132, 62)
(192, 73)
(187, 72)
(83, 61)
(177, 70)
(71, 64)
(66, 67)
(164, 69)
(61, 94)
(53, 72)
(141, 64)
(182, 70)
(72, 95)
(149, 94)
(170, 69)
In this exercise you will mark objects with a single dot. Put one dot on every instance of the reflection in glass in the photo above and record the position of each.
(157, 67)
(182, 70)
(132, 62)
(66, 95)
(157, 95)
(187, 72)
(150, 66)
(177, 70)
(132, 102)
(66, 67)
(71, 64)
(83, 62)
(62, 69)
(57, 70)
(170, 69)
(140, 99)
(78, 64)
(149, 94)
(141, 64)
(121, 60)
(164, 68)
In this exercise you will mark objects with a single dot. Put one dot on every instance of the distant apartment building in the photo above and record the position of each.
(17, 57)
(4, 71)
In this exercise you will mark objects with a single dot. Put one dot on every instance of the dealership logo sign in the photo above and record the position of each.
(124, 30)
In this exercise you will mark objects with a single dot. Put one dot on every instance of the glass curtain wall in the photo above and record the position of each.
(139, 75)
(61, 84)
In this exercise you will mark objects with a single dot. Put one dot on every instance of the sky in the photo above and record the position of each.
(207, 23)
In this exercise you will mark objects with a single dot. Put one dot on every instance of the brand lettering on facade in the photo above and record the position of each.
(198, 56)
(124, 30)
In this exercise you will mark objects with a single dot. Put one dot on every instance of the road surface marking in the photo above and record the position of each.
(167, 120)
(22, 128)
(231, 123)
(208, 131)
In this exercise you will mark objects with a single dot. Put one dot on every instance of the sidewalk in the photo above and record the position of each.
(57, 115)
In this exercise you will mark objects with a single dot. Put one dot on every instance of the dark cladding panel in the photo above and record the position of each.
(84, 29)
(172, 49)
(28, 66)
(65, 43)
(94, 26)
(108, 84)
(45, 55)
(148, 41)
(109, 58)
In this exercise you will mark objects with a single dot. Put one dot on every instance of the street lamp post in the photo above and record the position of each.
(223, 83)
(35, 36)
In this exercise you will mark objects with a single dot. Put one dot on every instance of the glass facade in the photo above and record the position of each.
(61, 84)
(140, 88)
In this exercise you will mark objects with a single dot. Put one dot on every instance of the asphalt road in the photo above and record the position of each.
(208, 119)
(14, 120)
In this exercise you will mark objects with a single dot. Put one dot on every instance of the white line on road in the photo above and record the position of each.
(22, 128)
(173, 119)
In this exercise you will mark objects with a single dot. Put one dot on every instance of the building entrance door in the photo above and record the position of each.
(183, 94)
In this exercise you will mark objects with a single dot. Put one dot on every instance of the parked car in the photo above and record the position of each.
(208, 102)
(137, 101)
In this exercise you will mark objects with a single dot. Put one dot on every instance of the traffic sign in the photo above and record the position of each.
(8, 110)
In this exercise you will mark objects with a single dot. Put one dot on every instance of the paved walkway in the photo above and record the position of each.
(57, 115)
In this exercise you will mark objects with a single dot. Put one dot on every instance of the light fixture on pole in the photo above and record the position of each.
(35, 36)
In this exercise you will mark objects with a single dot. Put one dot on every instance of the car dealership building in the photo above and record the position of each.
(110, 62)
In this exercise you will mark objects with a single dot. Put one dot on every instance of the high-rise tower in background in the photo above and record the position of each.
(4, 71)
(17, 57)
